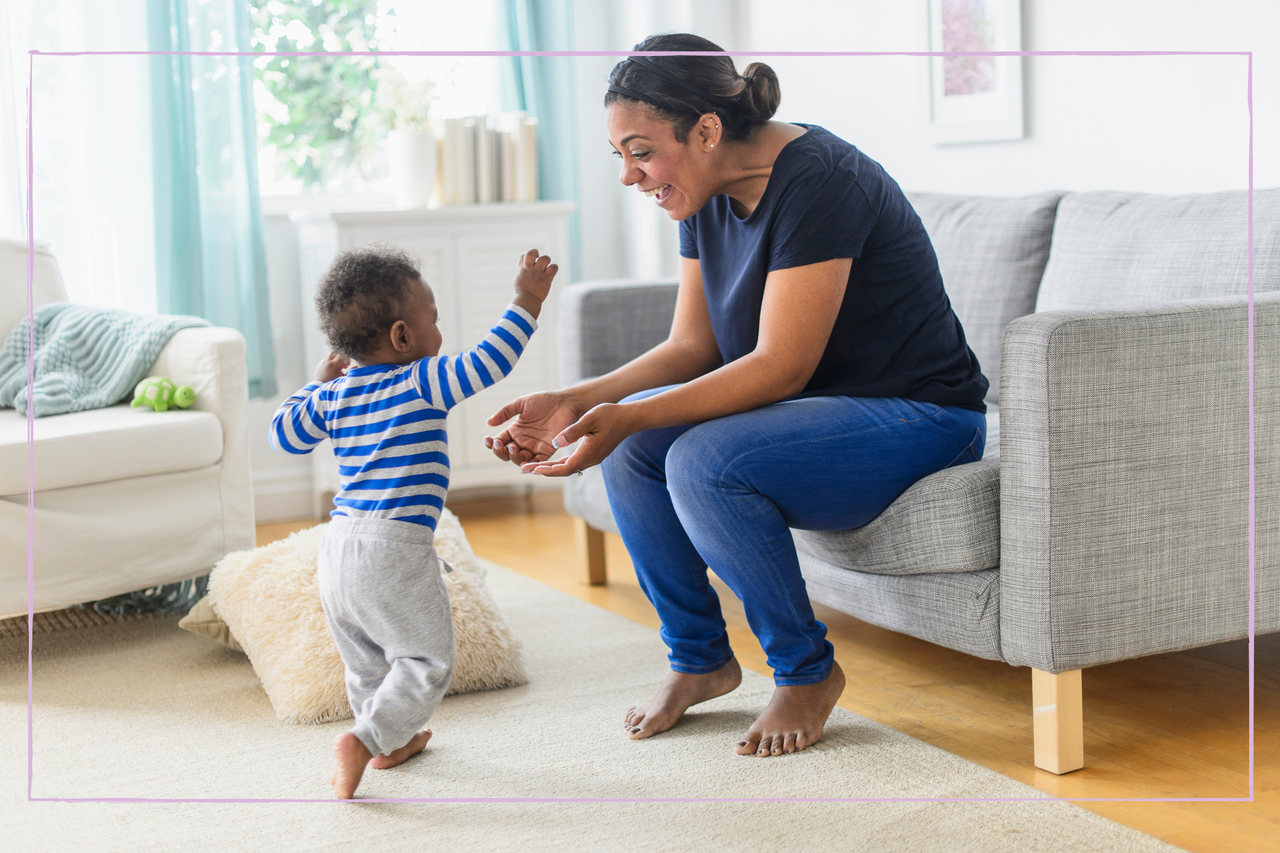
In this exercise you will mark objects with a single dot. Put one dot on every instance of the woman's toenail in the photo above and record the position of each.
(742, 743)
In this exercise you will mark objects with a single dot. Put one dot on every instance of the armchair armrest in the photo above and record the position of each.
(605, 324)
(211, 360)
(1125, 480)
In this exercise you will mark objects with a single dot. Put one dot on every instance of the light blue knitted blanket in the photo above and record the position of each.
(85, 358)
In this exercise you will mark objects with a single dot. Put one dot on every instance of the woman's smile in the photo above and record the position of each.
(659, 193)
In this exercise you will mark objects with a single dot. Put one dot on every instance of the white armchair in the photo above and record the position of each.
(125, 498)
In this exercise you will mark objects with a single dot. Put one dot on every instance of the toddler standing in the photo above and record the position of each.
(381, 395)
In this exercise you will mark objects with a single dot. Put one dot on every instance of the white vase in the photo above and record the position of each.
(411, 159)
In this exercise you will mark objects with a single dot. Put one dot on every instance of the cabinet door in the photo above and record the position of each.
(486, 272)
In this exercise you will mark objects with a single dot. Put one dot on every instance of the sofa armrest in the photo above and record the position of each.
(1125, 480)
(604, 324)
(211, 360)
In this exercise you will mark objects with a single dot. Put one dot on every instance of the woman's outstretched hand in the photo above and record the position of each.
(539, 419)
(597, 432)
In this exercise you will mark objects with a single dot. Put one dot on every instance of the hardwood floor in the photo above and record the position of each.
(1166, 726)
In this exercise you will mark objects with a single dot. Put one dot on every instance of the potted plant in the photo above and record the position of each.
(405, 105)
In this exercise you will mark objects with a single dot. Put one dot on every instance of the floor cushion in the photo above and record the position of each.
(270, 603)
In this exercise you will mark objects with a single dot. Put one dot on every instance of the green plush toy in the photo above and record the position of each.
(159, 393)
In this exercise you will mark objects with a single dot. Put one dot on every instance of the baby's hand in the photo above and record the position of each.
(331, 367)
(534, 275)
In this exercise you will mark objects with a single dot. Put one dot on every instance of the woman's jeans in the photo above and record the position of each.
(722, 494)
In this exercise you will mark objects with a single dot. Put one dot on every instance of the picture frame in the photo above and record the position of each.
(975, 98)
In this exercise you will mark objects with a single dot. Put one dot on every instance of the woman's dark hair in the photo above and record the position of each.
(741, 102)
(362, 296)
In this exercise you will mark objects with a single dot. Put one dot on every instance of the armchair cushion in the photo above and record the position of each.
(100, 445)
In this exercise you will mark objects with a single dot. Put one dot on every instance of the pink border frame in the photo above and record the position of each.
(31, 440)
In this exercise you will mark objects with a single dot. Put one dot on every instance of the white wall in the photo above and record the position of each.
(1148, 124)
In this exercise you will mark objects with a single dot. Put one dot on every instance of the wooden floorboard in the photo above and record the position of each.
(1172, 725)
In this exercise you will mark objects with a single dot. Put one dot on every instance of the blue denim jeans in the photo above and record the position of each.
(722, 494)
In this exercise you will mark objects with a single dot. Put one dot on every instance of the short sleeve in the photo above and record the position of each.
(825, 217)
(689, 237)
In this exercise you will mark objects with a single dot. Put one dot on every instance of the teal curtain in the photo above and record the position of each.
(543, 86)
(210, 254)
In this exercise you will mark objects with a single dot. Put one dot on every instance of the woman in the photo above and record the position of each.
(814, 371)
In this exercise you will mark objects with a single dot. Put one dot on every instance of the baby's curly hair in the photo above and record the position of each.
(362, 296)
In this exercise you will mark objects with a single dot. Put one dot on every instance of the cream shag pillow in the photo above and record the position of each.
(269, 599)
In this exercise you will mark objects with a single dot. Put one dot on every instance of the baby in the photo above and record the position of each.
(382, 394)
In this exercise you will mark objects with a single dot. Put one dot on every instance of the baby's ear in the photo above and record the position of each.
(400, 336)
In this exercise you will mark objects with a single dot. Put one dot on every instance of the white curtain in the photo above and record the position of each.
(12, 150)
(91, 127)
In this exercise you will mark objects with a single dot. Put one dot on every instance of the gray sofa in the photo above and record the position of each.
(1109, 517)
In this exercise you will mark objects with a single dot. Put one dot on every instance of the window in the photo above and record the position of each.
(320, 119)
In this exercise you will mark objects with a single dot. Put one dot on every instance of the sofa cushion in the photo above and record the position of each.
(101, 445)
(1113, 250)
(967, 496)
(959, 611)
(992, 252)
(948, 522)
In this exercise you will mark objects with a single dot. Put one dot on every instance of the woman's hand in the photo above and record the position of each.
(597, 432)
(539, 419)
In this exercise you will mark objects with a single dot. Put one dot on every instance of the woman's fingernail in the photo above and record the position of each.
(557, 442)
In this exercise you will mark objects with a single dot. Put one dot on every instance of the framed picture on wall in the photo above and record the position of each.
(974, 98)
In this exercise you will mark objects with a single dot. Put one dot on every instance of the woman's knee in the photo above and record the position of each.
(640, 453)
(699, 460)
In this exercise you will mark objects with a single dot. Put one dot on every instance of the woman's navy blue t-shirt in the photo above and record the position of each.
(895, 334)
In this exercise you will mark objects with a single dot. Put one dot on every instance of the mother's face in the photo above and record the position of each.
(676, 175)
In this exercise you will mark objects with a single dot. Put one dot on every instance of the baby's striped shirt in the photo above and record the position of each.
(387, 422)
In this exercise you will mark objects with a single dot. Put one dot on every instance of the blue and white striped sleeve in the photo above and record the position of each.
(445, 381)
(298, 426)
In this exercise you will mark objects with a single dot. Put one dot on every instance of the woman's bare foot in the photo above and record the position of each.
(674, 697)
(794, 717)
(352, 756)
(413, 747)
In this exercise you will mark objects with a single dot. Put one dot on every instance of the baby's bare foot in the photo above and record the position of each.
(413, 747)
(352, 756)
(794, 717)
(674, 697)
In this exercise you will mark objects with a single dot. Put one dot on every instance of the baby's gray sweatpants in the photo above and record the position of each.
(386, 604)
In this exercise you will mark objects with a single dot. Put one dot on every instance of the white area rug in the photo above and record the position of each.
(140, 709)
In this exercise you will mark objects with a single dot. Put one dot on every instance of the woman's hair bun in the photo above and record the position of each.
(762, 94)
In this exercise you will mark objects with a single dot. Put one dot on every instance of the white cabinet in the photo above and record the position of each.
(468, 255)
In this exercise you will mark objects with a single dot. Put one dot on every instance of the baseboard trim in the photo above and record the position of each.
(282, 495)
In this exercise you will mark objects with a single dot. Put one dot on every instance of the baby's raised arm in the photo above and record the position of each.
(445, 381)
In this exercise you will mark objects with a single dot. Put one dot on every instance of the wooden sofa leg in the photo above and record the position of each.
(591, 546)
(1058, 720)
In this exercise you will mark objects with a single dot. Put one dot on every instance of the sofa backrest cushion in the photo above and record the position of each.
(46, 286)
(992, 253)
(1112, 250)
